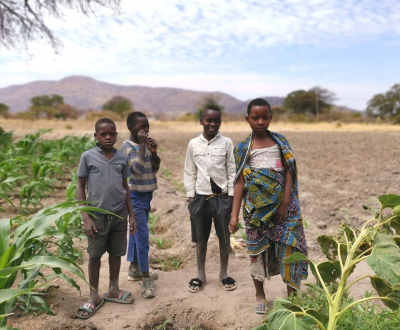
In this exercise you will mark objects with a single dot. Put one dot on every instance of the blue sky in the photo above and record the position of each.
(243, 48)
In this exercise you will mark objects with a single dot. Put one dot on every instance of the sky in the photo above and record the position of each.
(241, 47)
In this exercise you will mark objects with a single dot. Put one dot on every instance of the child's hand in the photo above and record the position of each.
(89, 227)
(281, 212)
(132, 226)
(142, 137)
(151, 144)
(233, 225)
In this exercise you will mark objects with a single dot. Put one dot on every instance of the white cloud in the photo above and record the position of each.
(232, 46)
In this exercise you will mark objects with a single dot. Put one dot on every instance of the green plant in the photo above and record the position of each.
(166, 172)
(25, 252)
(153, 219)
(164, 325)
(169, 263)
(377, 243)
(162, 244)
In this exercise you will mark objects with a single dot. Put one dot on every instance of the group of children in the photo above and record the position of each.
(260, 173)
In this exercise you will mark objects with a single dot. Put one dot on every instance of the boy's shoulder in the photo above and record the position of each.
(89, 151)
(129, 144)
(224, 138)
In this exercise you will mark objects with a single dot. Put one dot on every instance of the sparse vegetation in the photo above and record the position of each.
(377, 243)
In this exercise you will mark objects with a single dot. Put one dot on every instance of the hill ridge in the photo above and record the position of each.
(88, 93)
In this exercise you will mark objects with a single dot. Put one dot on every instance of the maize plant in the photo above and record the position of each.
(25, 252)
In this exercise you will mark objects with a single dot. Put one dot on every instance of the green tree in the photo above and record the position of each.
(305, 102)
(53, 100)
(24, 21)
(387, 105)
(206, 101)
(118, 104)
(4, 110)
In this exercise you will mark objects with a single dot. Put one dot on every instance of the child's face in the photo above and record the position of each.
(211, 122)
(141, 123)
(106, 135)
(259, 118)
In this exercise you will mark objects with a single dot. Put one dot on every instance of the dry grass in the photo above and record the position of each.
(81, 127)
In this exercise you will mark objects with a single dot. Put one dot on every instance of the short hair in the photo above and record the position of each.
(131, 120)
(103, 121)
(258, 102)
(211, 107)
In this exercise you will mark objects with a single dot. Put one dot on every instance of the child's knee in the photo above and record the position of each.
(94, 258)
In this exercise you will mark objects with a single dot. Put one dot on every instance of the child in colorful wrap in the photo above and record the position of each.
(266, 183)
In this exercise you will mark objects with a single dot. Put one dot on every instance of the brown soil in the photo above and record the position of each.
(339, 171)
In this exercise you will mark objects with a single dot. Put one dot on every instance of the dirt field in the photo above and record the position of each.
(340, 169)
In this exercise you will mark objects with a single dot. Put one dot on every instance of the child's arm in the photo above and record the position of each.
(237, 200)
(282, 209)
(230, 168)
(88, 224)
(136, 157)
(155, 160)
(190, 174)
(132, 221)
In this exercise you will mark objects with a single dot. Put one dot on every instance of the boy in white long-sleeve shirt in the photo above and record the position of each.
(208, 176)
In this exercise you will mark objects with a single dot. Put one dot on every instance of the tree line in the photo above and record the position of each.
(300, 104)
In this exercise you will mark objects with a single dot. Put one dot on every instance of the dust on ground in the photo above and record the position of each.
(339, 171)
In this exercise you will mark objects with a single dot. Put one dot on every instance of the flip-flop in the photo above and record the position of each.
(121, 299)
(228, 281)
(90, 308)
(138, 276)
(261, 308)
(197, 284)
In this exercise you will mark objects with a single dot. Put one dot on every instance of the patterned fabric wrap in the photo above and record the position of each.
(264, 192)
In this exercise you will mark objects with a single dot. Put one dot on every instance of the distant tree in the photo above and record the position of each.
(324, 94)
(49, 107)
(47, 100)
(42, 112)
(305, 102)
(66, 111)
(386, 106)
(118, 104)
(4, 110)
(23, 21)
(205, 101)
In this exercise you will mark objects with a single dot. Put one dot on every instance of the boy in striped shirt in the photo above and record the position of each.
(144, 163)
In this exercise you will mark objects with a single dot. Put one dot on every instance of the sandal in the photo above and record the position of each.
(148, 288)
(121, 299)
(138, 275)
(261, 308)
(89, 308)
(229, 284)
(197, 284)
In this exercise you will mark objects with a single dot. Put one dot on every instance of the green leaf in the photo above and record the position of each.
(4, 235)
(329, 270)
(8, 294)
(297, 256)
(385, 262)
(284, 319)
(384, 289)
(383, 238)
(389, 201)
(329, 246)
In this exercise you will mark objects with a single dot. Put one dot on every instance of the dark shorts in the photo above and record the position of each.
(202, 212)
(111, 235)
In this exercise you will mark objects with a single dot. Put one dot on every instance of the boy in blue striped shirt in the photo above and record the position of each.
(144, 163)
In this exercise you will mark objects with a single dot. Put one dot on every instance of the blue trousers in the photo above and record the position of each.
(139, 245)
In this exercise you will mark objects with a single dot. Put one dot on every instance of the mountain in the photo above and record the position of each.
(87, 93)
